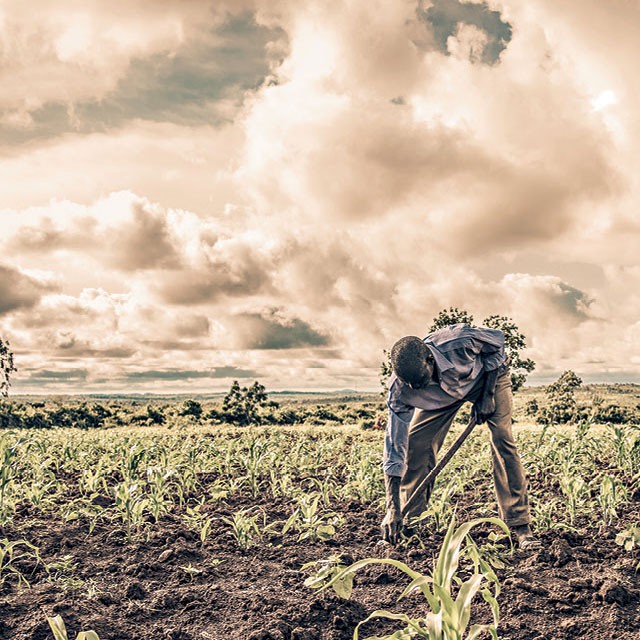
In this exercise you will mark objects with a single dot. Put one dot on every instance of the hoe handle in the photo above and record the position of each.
(440, 466)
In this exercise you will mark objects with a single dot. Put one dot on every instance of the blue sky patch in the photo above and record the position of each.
(444, 17)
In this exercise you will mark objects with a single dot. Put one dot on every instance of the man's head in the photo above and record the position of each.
(412, 361)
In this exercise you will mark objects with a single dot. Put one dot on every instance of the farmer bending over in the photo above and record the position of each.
(432, 379)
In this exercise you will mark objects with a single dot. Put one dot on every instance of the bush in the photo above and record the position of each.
(191, 408)
(615, 414)
(242, 405)
(562, 407)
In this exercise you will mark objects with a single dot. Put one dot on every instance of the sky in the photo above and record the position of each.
(199, 192)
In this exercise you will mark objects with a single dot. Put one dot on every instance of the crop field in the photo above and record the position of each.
(186, 531)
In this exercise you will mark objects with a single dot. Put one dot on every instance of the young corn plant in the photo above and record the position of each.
(12, 554)
(611, 495)
(281, 485)
(547, 515)
(629, 538)
(63, 573)
(131, 460)
(200, 522)
(576, 492)
(130, 505)
(625, 443)
(363, 483)
(244, 527)
(92, 481)
(440, 509)
(448, 613)
(60, 631)
(310, 522)
(8, 453)
(158, 486)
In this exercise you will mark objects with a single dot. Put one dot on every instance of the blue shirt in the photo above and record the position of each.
(462, 354)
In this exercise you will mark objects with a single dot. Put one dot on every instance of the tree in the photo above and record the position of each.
(191, 408)
(514, 343)
(562, 400)
(6, 367)
(449, 316)
(241, 405)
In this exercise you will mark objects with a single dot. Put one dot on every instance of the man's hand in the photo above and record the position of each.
(392, 522)
(391, 526)
(484, 408)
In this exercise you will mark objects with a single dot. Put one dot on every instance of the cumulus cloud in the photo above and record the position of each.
(20, 289)
(273, 329)
(87, 69)
(399, 158)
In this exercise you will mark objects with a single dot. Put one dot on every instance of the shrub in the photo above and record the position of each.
(562, 407)
(191, 408)
(242, 405)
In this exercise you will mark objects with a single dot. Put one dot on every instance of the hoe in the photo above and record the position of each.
(440, 466)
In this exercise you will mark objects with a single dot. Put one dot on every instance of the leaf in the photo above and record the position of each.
(344, 586)
(405, 634)
(465, 595)
(325, 531)
(57, 626)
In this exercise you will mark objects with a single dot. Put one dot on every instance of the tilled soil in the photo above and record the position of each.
(167, 585)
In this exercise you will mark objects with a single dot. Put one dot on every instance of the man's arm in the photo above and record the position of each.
(394, 464)
(493, 357)
(486, 406)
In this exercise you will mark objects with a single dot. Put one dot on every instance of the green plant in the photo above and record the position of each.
(562, 406)
(440, 508)
(576, 491)
(8, 453)
(330, 571)
(191, 408)
(60, 631)
(245, 528)
(547, 515)
(449, 615)
(199, 521)
(131, 504)
(63, 573)
(611, 495)
(191, 571)
(12, 554)
(311, 522)
(629, 538)
(241, 405)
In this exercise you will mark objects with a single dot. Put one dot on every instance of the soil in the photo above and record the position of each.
(576, 586)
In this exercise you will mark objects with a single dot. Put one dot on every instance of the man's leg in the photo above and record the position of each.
(508, 474)
(427, 432)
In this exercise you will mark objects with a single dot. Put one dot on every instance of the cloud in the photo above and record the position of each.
(71, 375)
(275, 330)
(342, 173)
(193, 74)
(180, 374)
(145, 242)
(20, 289)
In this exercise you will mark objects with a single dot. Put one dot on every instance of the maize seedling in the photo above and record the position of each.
(448, 618)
